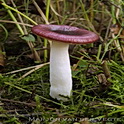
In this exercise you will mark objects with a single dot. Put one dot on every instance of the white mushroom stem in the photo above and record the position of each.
(60, 71)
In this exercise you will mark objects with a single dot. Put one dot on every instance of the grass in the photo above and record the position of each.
(97, 69)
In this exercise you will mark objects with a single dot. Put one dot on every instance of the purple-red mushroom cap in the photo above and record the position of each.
(64, 33)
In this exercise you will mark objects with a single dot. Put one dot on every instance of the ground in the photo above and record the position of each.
(97, 69)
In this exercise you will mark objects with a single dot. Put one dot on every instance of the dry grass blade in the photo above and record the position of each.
(23, 69)
(31, 71)
(40, 12)
(20, 18)
(51, 6)
(6, 21)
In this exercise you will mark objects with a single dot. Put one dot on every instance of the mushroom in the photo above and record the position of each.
(60, 70)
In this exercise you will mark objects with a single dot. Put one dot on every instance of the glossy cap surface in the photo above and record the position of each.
(64, 33)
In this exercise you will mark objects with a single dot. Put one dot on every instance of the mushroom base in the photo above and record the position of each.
(60, 71)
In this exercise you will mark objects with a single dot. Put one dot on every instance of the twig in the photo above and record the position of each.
(23, 69)
(19, 102)
(40, 12)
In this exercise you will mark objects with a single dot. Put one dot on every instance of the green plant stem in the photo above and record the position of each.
(8, 7)
(99, 52)
(90, 25)
(109, 114)
(106, 47)
(12, 16)
(19, 27)
(47, 9)
(106, 69)
(45, 41)
(85, 13)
